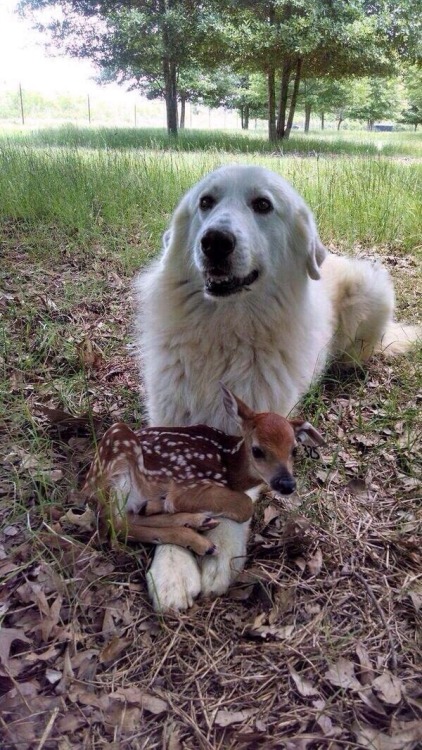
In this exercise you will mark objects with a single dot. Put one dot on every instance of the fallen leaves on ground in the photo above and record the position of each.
(296, 656)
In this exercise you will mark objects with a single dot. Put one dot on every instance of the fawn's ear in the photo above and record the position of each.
(235, 408)
(306, 434)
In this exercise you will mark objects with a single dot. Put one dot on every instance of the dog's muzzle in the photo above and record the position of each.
(217, 245)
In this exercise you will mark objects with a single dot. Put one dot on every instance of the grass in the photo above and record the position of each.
(346, 143)
(332, 581)
(103, 192)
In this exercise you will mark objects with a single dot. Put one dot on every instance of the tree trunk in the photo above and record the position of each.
(322, 120)
(245, 125)
(340, 120)
(282, 108)
(170, 77)
(308, 108)
(182, 116)
(293, 100)
(272, 133)
(170, 88)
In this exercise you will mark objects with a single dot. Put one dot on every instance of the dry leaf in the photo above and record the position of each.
(366, 670)
(87, 698)
(226, 718)
(357, 487)
(373, 739)
(388, 688)
(7, 636)
(85, 520)
(53, 676)
(324, 720)
(113, 649)
(304, 686)
(126, 718)
(314, 562)
(171, 737)
(342, 674)
(259, 630)
(270, 513)
(90, 354)
(153, 704)
(135, 696)
(301, 563)
(50, 619)
(299, 743)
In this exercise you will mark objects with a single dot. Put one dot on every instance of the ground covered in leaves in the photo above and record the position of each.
(317, 644)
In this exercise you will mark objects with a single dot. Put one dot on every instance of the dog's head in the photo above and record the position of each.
(240, 224)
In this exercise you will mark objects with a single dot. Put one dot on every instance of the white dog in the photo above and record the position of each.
(244, 292)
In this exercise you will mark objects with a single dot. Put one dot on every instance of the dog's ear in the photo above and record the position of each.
(174, 240)
(307, 235)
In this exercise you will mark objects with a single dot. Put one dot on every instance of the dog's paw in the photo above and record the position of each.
(173, 579)
(218, 572)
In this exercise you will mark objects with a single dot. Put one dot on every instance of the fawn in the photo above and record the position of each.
(183, 478)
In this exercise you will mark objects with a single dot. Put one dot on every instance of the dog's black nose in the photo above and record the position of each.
(217, 244)
(284, 484)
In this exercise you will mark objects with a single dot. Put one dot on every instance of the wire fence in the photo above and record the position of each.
(22, 107)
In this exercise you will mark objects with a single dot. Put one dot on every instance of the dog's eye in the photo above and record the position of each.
(206, 202)
(257, 452)
(262, 205)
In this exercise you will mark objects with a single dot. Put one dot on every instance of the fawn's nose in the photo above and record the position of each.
(217, 244)
(283, 483)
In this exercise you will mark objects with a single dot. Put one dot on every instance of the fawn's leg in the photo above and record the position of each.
(132, 529)
(236, 506)
(176, 520)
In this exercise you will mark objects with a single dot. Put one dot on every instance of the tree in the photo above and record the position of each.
(293, 41)
(375, 99)
(142, 44)
(412, 114)
(245, 93)
(326, 96)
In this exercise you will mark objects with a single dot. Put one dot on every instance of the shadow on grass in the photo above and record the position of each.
(197, 140)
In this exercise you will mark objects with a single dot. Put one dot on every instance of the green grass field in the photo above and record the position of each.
(316, 646)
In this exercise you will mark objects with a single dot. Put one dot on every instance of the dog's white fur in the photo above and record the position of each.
(268, 342)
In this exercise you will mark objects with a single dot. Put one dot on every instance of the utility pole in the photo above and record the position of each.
(21, 101)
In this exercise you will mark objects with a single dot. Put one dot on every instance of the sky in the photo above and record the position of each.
(23, 60)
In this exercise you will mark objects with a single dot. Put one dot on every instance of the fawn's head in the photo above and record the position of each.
(271, 441)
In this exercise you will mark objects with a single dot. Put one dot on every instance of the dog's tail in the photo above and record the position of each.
(399, 338)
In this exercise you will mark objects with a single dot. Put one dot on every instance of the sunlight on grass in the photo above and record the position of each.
(127, 197)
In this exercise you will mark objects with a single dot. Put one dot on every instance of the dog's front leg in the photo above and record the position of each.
(230, 538)
(173, 578)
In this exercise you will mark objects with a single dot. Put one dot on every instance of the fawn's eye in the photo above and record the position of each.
(262, 206)
(206, 202)
(257, 452)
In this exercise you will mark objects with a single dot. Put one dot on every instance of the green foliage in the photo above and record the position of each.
(374, 99)
(412, 114)
(208, 51)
